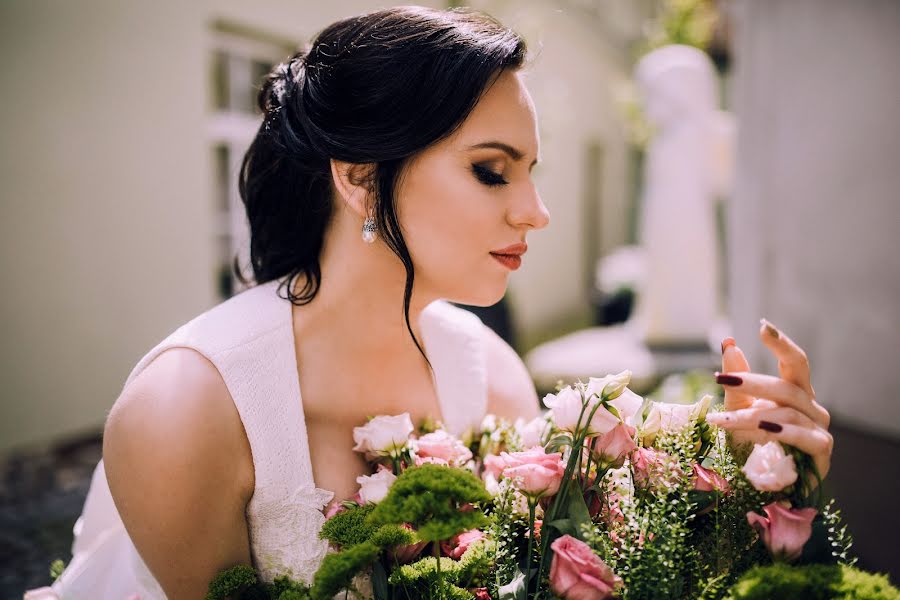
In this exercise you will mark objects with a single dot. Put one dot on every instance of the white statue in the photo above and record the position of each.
(687, 167)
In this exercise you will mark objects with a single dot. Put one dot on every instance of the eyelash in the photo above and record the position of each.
(488, 177)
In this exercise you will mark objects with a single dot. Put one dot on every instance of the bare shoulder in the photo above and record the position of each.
(511, 391)
(175, 453)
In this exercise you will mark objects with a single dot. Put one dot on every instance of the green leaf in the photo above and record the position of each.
(563, 526)
(558, 442)
(577, 511)
(379, 581)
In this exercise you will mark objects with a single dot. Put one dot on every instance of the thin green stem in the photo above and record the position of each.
(440, 580)
(531, 505)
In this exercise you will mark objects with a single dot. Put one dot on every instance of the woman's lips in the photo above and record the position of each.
(510, 261)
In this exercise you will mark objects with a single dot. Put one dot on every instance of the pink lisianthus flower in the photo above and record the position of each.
(784, 530)
(576, 573)
(443, 446)
(457, 546)
(611, 449)
(494, 465)
(654, 469)
(707, 480)
(534, 472)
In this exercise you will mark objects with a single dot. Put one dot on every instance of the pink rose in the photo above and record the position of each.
(785, 531)
(654, 469)
(576, 573)
(612, 448)
(457, 546)
(534, 472)
(707, 480)
(482, 594)
(441, 445)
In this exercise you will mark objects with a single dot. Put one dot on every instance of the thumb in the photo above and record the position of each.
(733, 360)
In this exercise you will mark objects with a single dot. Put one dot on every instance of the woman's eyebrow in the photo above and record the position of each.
(513, 152)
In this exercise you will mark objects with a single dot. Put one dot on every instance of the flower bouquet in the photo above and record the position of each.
(606, 495)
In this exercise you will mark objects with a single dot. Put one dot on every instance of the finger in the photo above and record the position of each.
(749, 418)
(733, 359)
(816, 442)
(776, 389)
(793, 364)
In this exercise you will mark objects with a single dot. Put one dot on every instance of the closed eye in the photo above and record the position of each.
(488, 177)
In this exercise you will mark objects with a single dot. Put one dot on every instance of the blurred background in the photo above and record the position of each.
(706, 164)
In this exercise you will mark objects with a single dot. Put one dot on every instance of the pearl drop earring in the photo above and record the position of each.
(368, 230)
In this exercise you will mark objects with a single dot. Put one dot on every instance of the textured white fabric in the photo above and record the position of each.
(250, 340)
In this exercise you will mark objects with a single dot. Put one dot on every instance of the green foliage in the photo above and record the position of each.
(337, 570)
(507, 528)
(429, 498)
(349, 528)
(233, 583)
(388, 536)
(689, 22)
(284, 588)
(476, 564)
(838, 536)
(425, 578)
(56, 568)
(812, 582)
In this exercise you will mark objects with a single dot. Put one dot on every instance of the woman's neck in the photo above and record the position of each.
(359, 302)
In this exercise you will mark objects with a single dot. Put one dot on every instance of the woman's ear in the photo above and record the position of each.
(353, 182)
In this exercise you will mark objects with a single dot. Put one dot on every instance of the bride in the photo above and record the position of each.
(392, 172)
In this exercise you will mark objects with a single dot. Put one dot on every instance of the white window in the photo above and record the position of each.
(239, 59)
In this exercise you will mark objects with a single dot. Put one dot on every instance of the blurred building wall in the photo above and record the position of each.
(106, 235)
(813, 228)
(109, 217)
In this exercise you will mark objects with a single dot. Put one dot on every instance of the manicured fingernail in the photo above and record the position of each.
(729, 341)
(770, 329)
(725, 379)
(770, 426)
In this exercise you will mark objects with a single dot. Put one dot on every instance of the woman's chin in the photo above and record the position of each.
(487, 296)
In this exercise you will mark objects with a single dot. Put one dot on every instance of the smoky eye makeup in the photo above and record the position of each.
(488, 177)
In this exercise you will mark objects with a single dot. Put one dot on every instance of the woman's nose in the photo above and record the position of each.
(529, 210)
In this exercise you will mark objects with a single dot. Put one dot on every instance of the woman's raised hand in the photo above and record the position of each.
(760, 408)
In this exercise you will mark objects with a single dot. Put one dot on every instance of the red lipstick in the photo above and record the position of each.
(511, 256)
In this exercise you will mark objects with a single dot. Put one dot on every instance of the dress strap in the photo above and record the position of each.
(454, 343)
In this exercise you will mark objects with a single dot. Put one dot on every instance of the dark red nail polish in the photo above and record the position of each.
(725, 379)
(729, 341)
(770, 426)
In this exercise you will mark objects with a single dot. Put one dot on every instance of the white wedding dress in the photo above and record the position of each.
(250, 340)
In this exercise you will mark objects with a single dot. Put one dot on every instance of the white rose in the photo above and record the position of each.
(769, 468)
(373, 488)
(383, 435)
(532, 432)
(611, 385)
(489, 423)
(664, 416)
(566, 408)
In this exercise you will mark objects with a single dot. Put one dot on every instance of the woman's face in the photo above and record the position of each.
(472, 194)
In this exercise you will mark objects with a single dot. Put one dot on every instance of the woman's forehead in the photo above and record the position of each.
(505, 114)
